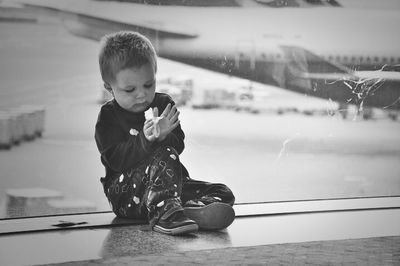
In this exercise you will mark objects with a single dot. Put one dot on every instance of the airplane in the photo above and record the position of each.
(348, 55)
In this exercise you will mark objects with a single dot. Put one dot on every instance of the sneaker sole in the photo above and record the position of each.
(215, 216)
(181, 230)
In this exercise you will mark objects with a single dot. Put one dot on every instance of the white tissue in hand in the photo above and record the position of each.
(149, 114)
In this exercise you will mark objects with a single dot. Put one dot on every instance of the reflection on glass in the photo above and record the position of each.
(123, 241)
(251, 120)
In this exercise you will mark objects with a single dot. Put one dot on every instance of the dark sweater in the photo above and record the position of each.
(120, 139)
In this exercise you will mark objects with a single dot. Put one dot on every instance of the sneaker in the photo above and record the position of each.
(176, 224)
(214, 216)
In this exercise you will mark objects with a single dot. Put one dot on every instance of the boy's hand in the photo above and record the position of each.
(151, 130)
(168, 120)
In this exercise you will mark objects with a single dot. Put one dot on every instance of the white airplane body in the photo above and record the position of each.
(318, 51)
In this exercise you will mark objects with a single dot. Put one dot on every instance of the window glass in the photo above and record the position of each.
(270, 102)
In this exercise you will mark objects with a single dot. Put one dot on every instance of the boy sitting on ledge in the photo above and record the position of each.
(144, 177)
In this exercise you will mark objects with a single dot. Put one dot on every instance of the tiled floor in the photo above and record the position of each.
(368, 251)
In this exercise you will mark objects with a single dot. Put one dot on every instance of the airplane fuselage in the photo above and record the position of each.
(265, 45)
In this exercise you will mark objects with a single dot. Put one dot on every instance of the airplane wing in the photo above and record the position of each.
(86, 11)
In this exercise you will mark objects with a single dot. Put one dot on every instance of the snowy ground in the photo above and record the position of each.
(262, 157)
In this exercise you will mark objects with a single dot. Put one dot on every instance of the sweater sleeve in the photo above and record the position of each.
(118, 149)
(176, 138)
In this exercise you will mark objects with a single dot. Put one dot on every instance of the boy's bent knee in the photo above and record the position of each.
(168, 149)
(167, 152)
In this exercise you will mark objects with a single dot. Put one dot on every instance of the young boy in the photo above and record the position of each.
(144, 177)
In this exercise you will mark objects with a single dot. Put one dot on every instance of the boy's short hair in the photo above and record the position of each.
(122, 50)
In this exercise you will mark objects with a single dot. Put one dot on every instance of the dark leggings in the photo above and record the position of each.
(141, 192)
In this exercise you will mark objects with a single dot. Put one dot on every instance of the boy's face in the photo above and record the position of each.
(134, 88)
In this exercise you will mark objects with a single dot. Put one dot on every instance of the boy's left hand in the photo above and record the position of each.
(168, 120)
(151, 130)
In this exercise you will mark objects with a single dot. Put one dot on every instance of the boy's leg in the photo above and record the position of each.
(210, 205)
(206, 192)
(125, 194)
(152, 191)
(162, 194)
